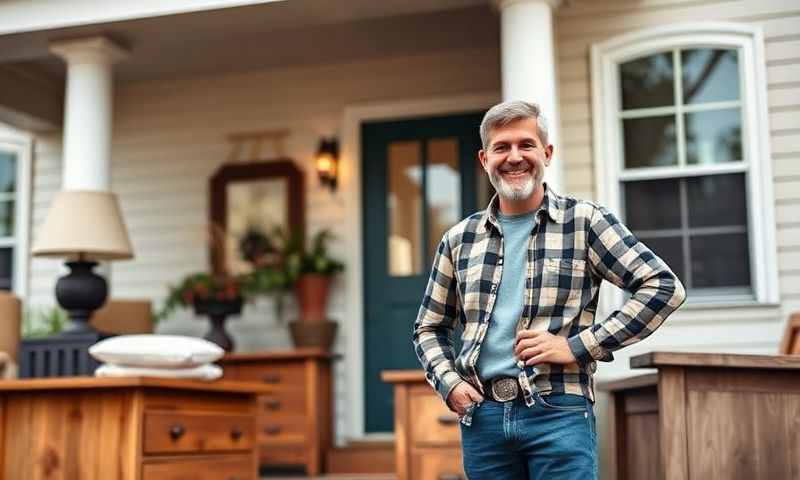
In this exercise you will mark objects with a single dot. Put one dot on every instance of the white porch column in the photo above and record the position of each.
(528, 64)
(87, 111)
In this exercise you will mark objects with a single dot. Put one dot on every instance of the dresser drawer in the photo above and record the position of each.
(173, 432)
(281, 429)
(437, 464)
(281, 375)
(282, 402)
(206, 468)
(433, 423)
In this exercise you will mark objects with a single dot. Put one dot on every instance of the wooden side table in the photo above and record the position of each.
(705, 415)
(295, 419)
(426, 432)
(128, 429)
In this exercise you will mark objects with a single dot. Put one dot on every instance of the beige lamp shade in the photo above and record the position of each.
(84, 224)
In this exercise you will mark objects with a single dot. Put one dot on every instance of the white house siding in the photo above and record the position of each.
(579, 24)
(170, 137)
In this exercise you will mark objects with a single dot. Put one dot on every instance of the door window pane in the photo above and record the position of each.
(650, 142)
(8, 172)
(405, 203)
(720, 260)
(714, 136)
(443, 190)
(669, 249)
(648, 82)
(6, 218)
(717, 200)
(6, 267)
(652, 204)
(710, 75)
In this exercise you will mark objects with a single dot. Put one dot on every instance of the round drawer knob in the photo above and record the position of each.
(273, 404)
(448, 419)
(236, 433)
(272, 429)
(176, 431)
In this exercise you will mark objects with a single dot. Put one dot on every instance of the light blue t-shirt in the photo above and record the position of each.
(497, 351)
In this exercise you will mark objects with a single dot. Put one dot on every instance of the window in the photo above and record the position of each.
(682, 155)
(14, 204)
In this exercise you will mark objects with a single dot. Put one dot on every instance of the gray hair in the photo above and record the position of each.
(506, 112)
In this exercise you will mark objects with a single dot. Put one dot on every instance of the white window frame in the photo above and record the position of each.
(20, 145)
(749, 40)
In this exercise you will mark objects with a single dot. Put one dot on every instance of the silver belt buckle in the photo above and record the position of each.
(504, 389)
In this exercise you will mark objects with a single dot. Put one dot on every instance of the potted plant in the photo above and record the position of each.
(313, 271)
(308, 274)
(215, 296)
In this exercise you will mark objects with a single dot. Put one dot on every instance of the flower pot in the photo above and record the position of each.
(311, 292)
(313, 335)
(217, 312)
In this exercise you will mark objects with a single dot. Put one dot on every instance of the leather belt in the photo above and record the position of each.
(502, 389)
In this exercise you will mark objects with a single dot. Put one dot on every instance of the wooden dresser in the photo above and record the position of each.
(707, 416)
(127, 429)
(295, 421)
(427, 435)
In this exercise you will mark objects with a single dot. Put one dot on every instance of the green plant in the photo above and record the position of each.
(289, 259)
(205, 287)
(42, 321)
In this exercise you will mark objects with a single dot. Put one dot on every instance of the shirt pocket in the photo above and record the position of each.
(563, 282)
(557, 271)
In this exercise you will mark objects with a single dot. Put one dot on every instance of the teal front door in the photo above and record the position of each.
(420, 177)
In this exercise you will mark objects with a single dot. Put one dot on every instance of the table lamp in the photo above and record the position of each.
(83, 227)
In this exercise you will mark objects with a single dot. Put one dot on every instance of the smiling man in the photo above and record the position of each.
(523, 277)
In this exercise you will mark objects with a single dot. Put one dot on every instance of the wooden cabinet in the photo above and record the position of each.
(294, 424)
(707, 416)
(213, 468)
(427, 435)
(128, 429)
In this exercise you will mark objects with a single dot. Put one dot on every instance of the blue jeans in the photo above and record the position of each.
(555, 439)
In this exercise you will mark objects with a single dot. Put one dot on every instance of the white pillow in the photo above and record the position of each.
(164, 351)
(203, 372)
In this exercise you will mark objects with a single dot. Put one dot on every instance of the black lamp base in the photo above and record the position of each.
(80, 293)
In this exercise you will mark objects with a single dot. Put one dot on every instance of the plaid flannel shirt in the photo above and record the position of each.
(573, 246)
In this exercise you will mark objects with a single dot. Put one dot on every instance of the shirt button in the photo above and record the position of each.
(500, 261)
(494, 287)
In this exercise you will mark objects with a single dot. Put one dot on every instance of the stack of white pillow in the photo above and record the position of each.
(168, 356)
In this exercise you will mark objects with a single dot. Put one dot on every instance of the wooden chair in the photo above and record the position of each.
(790, 345)
(10, 317)
(124, 317)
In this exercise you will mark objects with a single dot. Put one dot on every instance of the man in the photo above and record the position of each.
(523, 277)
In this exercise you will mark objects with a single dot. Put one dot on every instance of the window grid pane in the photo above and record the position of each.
(686, 249)
(641, 109)
(709, 252)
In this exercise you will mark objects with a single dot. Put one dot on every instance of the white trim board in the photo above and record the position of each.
(22, 145)
(605, 57)
(26, 16)
(350, 162)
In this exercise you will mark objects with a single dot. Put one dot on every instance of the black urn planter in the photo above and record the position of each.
(218, 311)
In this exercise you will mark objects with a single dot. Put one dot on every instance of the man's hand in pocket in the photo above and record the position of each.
(461, 397)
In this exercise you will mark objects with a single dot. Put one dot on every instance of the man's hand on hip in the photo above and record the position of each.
(534, 347)
(462, 396)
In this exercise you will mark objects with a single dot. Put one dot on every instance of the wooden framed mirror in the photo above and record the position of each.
(254, 195)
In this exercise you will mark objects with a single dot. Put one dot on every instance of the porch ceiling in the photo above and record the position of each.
(294, 32)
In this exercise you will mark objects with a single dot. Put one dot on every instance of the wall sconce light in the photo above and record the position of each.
(327, 161)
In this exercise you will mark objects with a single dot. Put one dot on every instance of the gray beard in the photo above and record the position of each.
(508, 192)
